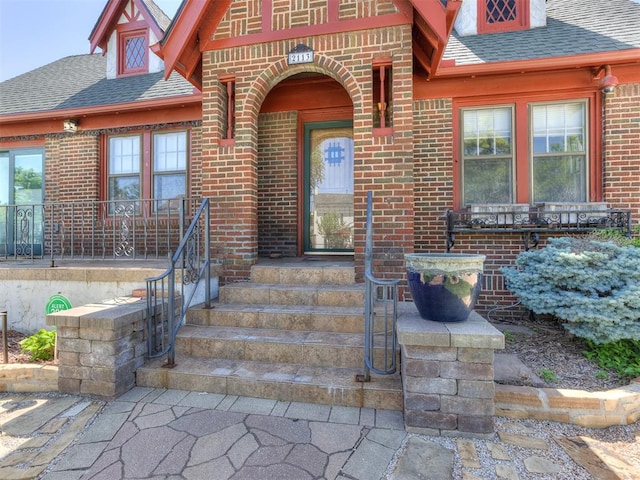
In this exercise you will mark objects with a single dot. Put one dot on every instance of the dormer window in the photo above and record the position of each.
(502, 15)
(133, 56)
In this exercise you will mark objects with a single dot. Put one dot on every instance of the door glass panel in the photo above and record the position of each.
(27, 186)
(4, 201)
(330, 187)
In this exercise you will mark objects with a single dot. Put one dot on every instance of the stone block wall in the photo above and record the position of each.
(100, 346)
(447, 374)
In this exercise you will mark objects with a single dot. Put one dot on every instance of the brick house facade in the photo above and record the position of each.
(251, 161)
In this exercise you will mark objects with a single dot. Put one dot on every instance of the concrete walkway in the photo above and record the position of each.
(171, 434)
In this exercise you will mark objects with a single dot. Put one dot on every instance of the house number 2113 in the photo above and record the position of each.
(300, 57)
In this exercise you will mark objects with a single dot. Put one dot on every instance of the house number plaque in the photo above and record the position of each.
(300, 54)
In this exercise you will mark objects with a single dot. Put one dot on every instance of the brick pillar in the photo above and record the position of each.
(447, 374)
(100, 346)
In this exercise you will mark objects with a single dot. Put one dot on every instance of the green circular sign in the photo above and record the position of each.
(57, 303)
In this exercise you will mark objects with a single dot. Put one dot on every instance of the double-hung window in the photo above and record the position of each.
(525, 153)
(488, 155)
(148, 166)
(559, 166)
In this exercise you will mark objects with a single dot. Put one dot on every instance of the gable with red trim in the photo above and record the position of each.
(201, 26)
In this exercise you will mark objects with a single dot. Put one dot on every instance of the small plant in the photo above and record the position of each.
(602, 375)
(508, 336)
(40, 345)
(622, 356)
(548, 375)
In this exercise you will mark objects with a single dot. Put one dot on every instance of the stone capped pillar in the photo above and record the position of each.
(448, 375)
(100, 346)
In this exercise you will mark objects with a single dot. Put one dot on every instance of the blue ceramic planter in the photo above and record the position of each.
(444, 286)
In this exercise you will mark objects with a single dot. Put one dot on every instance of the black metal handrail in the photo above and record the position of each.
(381, 300)
(167, 306)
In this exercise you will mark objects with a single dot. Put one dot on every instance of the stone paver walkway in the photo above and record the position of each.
(172, 434)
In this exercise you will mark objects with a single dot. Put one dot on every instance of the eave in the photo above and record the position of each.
(180, 47)
(106, 23)
(432, 26)
(105, 116)
(542, 64)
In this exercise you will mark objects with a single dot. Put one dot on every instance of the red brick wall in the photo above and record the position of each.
(622, 149)
(69, 158)
(277, 181)
(382, 164)
(433, 171)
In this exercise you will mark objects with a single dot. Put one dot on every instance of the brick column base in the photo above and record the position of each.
(100, 346)
(447, 375)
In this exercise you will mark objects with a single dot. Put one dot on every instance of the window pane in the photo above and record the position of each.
(487, 181)
(487, 132)
(487, 156)
(559, 128)
(559, 179)
(168, 187)
(170, 151)
(135, 52)
(124, 188)
(124, 155)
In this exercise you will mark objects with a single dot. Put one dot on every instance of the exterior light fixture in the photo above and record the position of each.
(608, 82)
(70, 125)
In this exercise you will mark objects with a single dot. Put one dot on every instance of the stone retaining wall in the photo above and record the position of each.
(620, 406)
(447, 374)
(27, 378)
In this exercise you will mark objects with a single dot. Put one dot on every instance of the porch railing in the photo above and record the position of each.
(135, 230)
(380, 312)
(170, 294)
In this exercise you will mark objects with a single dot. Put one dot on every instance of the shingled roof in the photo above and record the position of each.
(80, 81)
(573, 28)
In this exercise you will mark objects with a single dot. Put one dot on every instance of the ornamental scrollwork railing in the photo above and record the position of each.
(535, 220)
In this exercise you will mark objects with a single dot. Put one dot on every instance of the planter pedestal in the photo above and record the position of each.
(447, 374)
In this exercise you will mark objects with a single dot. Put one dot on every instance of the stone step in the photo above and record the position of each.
(304, 273)
(283, 317)
(277, 381)
(283, 294)
(328, 349)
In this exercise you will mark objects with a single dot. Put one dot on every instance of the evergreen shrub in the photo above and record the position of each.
(593, 286)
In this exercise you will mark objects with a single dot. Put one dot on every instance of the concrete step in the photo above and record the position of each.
(304, 273)
(328, 349)
(278, 381)
(284, 294)
(283, 317)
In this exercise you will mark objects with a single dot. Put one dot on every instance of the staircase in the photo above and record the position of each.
(293, 333)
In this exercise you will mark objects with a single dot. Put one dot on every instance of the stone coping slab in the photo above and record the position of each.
(475, 332)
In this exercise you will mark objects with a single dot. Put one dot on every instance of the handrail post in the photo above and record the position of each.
(5, 346)
(207, 247)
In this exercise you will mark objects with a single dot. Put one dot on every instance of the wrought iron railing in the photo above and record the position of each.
(381, 312)
(535, 220)
(136, 229)
(170, 294)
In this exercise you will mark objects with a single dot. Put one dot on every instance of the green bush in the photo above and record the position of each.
(622, 356)
(592, 285)
(41, 345)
